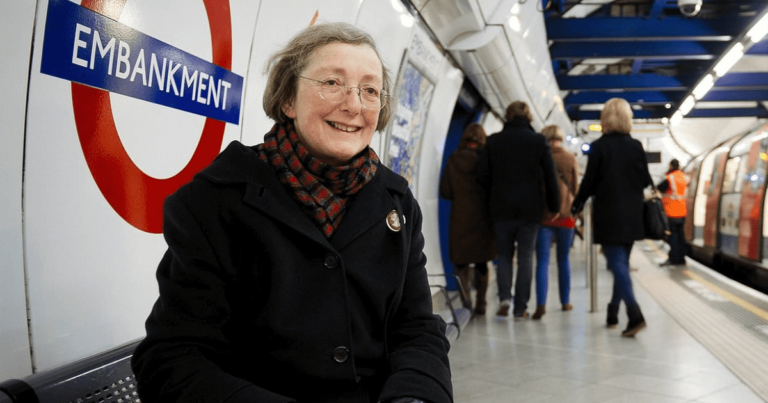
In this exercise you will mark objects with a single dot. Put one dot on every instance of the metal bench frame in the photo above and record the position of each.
(103, 378)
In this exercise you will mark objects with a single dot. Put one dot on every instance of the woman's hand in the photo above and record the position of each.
(576, 208)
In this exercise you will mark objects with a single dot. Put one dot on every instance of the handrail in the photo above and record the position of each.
(590, 256)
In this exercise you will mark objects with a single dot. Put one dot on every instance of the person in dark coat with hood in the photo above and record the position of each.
(470, 237)
(513, 166)
(616, 174)
(295, 269)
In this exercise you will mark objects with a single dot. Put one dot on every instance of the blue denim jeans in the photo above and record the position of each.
(617, 256)
(507, 234)
(564, 239)
(676, 240)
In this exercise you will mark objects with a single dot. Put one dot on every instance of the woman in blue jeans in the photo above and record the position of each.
(558, 227)
(617, 173)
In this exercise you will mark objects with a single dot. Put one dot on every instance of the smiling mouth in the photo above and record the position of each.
(341, 127)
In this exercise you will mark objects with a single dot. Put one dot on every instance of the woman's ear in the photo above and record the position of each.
(289, 110)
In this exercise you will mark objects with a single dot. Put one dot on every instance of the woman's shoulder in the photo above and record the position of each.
(389, 179)
(237, 163)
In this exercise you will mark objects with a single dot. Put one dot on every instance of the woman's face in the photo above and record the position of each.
(336, 132)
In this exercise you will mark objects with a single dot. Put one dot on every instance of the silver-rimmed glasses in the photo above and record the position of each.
(333, 90)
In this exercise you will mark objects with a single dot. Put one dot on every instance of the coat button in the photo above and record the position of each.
(340, 354)
(330, 261)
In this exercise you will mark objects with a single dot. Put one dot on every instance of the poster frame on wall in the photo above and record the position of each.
(401, 116)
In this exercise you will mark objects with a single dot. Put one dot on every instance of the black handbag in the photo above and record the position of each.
(654, 218)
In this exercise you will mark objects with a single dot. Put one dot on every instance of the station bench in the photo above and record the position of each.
(103, 378)
(456, 317)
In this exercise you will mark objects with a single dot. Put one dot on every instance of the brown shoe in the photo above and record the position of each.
(567, 307)
(540, 311)
(503, 309)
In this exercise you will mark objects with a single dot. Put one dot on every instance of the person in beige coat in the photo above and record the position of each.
(558, 227)
(470, 236)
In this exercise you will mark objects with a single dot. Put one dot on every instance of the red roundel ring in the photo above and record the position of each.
(135, 196)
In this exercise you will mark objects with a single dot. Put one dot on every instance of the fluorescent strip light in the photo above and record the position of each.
(676, 119)
(704, 86)
(730, 58)
(687, 105)
(757, 32)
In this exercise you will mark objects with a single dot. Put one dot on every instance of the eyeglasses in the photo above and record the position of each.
(333, 90)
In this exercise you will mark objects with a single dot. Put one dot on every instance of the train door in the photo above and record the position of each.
(730, 202)
(753, 192)
(692, 173)
(713, 197)
(704, 188)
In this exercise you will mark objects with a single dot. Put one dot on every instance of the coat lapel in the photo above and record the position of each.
(368, 208)
(268, 195)
(264, 192)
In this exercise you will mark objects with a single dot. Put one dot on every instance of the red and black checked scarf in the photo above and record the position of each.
(321, 189)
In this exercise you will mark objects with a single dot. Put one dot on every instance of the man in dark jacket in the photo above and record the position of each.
(514, 168)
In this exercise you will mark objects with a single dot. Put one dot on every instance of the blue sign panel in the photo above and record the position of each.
(89, 48)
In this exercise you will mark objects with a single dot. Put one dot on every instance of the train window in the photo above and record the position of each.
(704, 178)
(713, 182)
(730, 178)
(762, 157)
(692, 177)
(742, 146)
(741, 174)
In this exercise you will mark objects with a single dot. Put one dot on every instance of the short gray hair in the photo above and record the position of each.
(285, 65)
(616, 116)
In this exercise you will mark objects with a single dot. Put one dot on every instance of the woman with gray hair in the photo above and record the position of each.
(617, 173)
(294, 270)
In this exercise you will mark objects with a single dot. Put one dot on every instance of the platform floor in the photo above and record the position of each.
(706, 341)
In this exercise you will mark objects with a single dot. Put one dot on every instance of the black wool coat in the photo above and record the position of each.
(256, 305)
(512, 167)
(616, 174)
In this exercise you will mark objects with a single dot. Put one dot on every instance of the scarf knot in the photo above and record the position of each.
(321, 189)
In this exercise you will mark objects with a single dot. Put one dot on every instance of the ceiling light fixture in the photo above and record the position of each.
(741, 45)
(677, 117)
(687, 105)
(730, 58)
(757, 32)
(704, 86)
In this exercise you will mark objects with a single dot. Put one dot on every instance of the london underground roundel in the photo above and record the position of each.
(134, 195)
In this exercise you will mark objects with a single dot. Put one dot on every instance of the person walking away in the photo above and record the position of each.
(673, 198)
(559, 228)
(513, 167)
(616, 174)
(470, 237)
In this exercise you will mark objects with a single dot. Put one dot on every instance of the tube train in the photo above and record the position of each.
(727, 222)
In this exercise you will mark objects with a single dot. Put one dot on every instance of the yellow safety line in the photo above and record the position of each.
(733, 298)
(736, 300)
(655, 247)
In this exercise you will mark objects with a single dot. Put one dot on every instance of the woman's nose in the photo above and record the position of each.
(352, 103)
